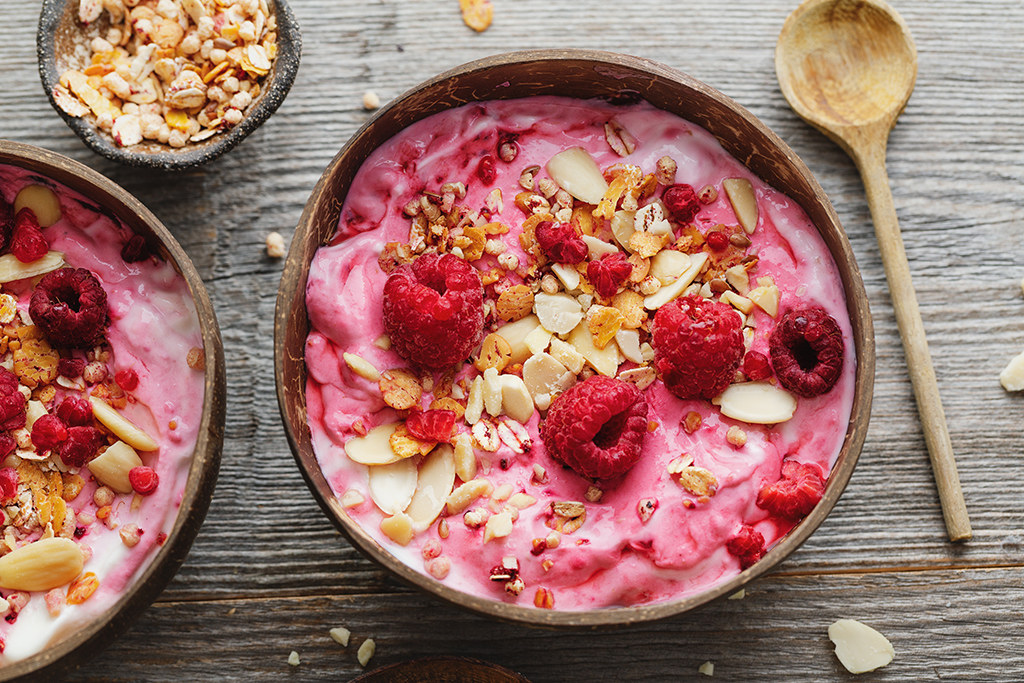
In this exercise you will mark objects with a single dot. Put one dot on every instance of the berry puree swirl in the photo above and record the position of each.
(573, 355)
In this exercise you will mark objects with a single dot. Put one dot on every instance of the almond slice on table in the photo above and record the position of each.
(121, 426)
(859, 647)
(41, 566)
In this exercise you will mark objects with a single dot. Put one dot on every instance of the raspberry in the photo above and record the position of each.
(7, 444)
(81, 446)
(486, 171)
(75, 411)
(717, 240)
(70, 367)
(12, 402)
(597, 427)
(747, 545)
(135, 250)
(681, 201)
(756, 366)
(807, 351)
(48, 432)
(127, 379)
(71, 307)
(698, 345)
(795, 494)
(27, 241)
(433, 310)
(144, 480)
(560, 242)
(6, 222)
(608, 273)
(8, 483)
(432, 425)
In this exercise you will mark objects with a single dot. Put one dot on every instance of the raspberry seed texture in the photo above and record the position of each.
(597, 427)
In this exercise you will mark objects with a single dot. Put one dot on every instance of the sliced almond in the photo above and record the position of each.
(464, 495)
(433, 486)
(766, 297)
(374, 448)
(629, 344)
(559, 313)
(1012, 376)
(33, 411)
(538, 340)
(41, 566)
(392, 486)
(566, 355)
(544, 375)
(45, 204)
(757, 403)
(492, 392)
(498, 526)
(121, 426)
(361, 367)
(577, 173)
(605, 361)
(623, 226)
(569, 276)
(515, 334)
(111, 467)
(465, 457)
(744, 203)
(597, 247)
(859, 647)
(12, 269)
(668, 265)
(669, 292)
(475, 403)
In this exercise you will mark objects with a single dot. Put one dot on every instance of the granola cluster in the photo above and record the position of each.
(170, 71)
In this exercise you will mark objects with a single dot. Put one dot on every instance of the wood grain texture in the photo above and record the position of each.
(956, 166)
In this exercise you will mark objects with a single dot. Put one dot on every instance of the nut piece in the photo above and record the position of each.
(112, 466)
(401, 388)
(646, 507)
(366, 651)
(477, 14)
(515, 303)
(698, 481)
(275, 245)
(859, 647)
(122, 427)
(41, 566)
(371, 100)
(340, 635)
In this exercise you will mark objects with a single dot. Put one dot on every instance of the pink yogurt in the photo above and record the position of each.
(153, 325)
(615, 559)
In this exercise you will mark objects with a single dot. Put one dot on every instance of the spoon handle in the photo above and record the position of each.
(915, 345)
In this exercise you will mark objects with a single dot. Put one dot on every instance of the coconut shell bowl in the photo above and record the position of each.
(579, 74)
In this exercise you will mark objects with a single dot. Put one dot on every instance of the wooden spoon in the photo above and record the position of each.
(848, 67)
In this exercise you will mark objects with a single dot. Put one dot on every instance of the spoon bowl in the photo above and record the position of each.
(848, 68)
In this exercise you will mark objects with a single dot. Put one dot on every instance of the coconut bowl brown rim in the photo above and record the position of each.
(76, 650)
(584, 74)
(58, 28)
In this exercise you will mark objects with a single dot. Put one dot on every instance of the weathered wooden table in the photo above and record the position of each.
(268, 574)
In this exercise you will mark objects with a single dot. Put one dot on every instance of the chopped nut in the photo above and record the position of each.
(593, 494)
(692, 422)
(544, 598)
(514, 435)
(366, 652)
(196, 358)
(646, 507)
(275, 245)
(495, 352)
(665, 170)
(736, 436)
(340, 635)
(698, 481)
(370, 100)
(130, 535)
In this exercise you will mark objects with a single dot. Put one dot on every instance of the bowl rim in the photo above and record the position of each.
(280, 80)
(290, 367)
(78, 648)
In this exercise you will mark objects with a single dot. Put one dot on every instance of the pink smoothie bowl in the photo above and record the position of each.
(580, 74)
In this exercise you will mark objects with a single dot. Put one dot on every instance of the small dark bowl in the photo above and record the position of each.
(582, 74)
(78, 648)
(59, 33)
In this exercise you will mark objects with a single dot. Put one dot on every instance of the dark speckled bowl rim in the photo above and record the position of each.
(77, 649)
(280, 79)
